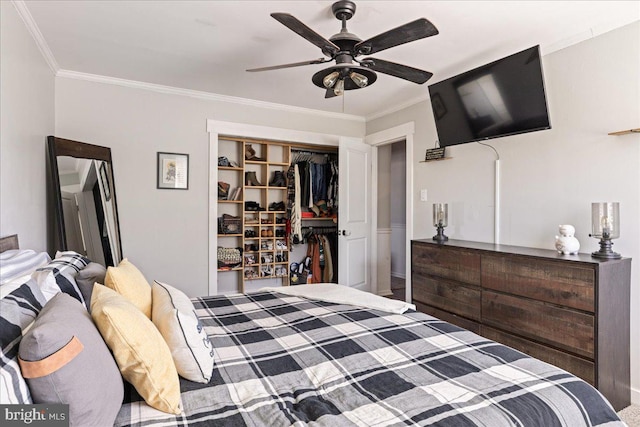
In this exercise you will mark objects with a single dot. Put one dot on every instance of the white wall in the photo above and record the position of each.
(164, 232)
(26, 118)
(549, 177)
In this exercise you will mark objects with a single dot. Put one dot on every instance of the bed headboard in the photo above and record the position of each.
(9, 242)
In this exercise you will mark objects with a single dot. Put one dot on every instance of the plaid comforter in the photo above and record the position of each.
(283, 360)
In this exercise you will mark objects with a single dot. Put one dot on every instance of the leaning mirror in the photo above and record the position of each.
(83, 197)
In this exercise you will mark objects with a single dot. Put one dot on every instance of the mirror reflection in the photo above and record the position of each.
(88, 210)
(83, 214)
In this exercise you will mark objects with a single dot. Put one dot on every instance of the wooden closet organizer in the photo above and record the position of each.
(253, 169)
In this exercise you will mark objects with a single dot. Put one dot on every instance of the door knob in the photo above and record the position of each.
(344, 232)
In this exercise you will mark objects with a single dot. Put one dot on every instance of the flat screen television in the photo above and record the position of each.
(504, 97)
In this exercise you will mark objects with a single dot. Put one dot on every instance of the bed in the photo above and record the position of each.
(297, 360)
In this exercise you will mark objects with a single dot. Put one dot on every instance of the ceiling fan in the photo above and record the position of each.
(344, 48)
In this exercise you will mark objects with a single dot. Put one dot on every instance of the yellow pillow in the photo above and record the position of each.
(140, 351)
(129, 282)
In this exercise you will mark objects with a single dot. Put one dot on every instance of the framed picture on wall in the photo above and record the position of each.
(106, 188)
(173, 171)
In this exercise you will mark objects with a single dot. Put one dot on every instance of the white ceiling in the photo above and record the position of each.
(207, 45)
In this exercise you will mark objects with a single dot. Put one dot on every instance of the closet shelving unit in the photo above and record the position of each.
(234, 176)
(264, 230)
(266, 254)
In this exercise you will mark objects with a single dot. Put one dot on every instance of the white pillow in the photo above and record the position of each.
(16, 263)
(174, 315)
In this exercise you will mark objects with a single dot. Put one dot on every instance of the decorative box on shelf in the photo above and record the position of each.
(229, 224)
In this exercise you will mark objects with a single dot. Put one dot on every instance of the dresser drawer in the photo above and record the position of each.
(460, 265)
(448, 317)
(567, 284)
(463, 300)
(560, 327)
(580, 367)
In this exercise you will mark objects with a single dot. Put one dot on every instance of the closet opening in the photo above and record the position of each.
(277, 214)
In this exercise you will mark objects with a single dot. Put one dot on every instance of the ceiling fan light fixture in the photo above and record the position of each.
(359, 79)
(343, 48)
(330, 79)
(339, 88)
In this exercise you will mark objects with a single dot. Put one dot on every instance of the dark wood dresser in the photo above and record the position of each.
(569, 310)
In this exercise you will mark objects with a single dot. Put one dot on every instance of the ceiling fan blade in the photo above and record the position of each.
(293, 64)
(295, 25)
(415, 30)
(397, 70)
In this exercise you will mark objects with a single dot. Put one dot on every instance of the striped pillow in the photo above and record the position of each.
(60, 276)
(19, 307)
(16, 263)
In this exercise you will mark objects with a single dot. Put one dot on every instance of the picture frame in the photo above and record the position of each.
(439, 109)
(173, 171)
(104, 177)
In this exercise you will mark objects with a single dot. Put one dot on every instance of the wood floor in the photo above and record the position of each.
(397, 288)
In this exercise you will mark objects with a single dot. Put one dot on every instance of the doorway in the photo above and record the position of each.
(391, 224)
(404, 132)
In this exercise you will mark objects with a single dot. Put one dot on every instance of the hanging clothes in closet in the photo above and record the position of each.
(312, 182)
(320, 263)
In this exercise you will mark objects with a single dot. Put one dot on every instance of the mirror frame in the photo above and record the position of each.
(65, 147)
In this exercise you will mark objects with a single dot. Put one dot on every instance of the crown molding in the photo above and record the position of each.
(398, 107)
(170, 90)
(30, 23)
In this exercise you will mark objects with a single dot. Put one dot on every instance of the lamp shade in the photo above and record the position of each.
(605, 220)
(440, 214)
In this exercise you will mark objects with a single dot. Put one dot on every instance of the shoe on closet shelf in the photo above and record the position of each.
(278, 180)
(277, 206)
(223, 190)
(252, 206)
(250, 154)
(251, 180)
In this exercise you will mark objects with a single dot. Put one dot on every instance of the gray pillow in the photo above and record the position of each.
(65, 360)
(89, 275)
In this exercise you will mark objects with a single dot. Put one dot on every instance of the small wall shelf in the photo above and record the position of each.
(625, 132)
(435, 160)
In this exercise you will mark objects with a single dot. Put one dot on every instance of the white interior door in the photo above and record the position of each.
(72, 230)
(89, 226)
(354, 216)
